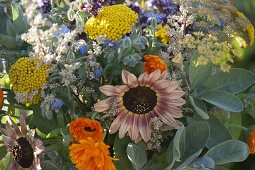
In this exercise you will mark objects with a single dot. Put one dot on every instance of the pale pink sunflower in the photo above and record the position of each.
(24, 147)
(139, 100)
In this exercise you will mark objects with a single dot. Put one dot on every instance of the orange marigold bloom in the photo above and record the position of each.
(91, 155)
(1, 98)
(251, 142)
(152, 63)
(83, 128)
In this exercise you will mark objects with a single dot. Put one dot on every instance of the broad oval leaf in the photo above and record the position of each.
(223, 100)
(198, 74)
(199, 107)
(228, 151)
(206, 162)
(236, 81)
(215, 137)
(136, 155)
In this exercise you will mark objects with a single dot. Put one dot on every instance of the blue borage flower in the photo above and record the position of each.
(64, 30)
(82, 49)
(98, 72)
(57, 104)
(110, 44)
(158, 17)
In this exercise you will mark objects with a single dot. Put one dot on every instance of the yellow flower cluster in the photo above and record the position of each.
(162, 33)
(250, 31)
(26, 77)
(112, 22)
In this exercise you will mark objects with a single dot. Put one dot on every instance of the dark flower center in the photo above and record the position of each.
(23, 153)
(140, 100)
(89, 129)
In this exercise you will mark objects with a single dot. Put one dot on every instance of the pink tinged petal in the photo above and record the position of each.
(176, 94)
(126, 125)
(103, 105)
(163, 75)
(117, 122)
(154, 76)
(143, 79)
(139, 138)
(175, 111)
(144, 128)
(165, 116)
(132, 80)
(16, 128)
(38, 146)
(23, 124)
(9, 142)
(166, 86)
(177, 102)
(121, 89)
(134, 133)
(15, 166)
(31, 135)
(108, 90)
(124, 75)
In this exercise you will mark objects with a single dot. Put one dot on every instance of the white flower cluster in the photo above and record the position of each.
(67, 74)
(156, 136)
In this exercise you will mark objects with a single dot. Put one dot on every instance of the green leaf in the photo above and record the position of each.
(8, 41)
(223, 100)
(5, 162)
(198, 74)
(188, 142)
(174, 148)
(3, 151)
(228, 151)
(206, 162)
(236, 81)
(19, 22)
(136, 155)
(234, 119)
(215, 137)
(189, 160)
(120, 153)
(10, 29)
(199, 107)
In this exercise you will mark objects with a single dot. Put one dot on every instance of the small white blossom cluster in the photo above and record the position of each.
(67, 74)
(46, 105)
(96, 50)
(35, 18)
(156, 136)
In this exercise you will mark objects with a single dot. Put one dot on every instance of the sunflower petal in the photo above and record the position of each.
(23, 124)
(126, 124)
(143, 78)
(117, 122)
(165, 117)
(108, 90)
(103, 105)
(125, 76)
(144, 128)
(134, 133)
(154, 76)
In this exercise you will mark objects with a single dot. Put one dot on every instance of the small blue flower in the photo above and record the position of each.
(98, 72)
(110, 43)
(64, 30)
(159, 17)
(57, 104)
(82, 49)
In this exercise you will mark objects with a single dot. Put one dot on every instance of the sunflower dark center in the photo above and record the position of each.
(89, 129)
(23, 153)
(140, 100)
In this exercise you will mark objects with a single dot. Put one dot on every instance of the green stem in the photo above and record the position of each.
(238, 126)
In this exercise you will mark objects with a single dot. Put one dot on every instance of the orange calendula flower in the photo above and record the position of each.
(92, 155)
(1, 98)
(83, 128)
(152, 63)
(251, 142)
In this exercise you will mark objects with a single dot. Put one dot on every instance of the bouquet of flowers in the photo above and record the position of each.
(115, 84)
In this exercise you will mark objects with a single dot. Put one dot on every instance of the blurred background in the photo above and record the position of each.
(248, 62)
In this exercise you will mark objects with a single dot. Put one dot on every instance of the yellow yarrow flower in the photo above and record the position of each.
(26, 77)
(162, 33)
(112, 21)
(250, 31)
